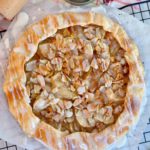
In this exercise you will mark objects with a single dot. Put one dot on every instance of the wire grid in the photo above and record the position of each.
(139, 10)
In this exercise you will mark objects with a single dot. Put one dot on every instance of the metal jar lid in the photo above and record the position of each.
(79, 2)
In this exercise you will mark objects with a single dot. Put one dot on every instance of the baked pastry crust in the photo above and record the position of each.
(18, 99)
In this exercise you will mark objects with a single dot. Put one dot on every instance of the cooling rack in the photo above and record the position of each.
(140, 10)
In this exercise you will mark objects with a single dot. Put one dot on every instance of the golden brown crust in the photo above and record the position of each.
(15, 90)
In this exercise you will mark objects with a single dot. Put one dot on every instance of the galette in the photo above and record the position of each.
(75, 81)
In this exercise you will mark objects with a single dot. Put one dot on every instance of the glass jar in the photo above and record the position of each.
(79, 2)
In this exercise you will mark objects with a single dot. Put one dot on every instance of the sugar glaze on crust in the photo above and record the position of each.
(18, 99)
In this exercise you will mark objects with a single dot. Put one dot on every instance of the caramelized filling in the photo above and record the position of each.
(77, 80)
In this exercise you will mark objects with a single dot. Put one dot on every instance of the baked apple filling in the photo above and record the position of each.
(77, 80)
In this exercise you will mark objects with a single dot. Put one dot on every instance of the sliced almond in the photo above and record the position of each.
(57, 118)
(54, 101)
(123, 61)
(91, 121)
(37, 89)
(81, 119)
(42, 69)
(88, 51)
(40, 104)
(44, 94)
(70, 120)
(105, 115)
(68, 113)
(86, 113)
(77, 102)
(33, 80)
(57, 62)
(72, 88)
(89, 96)
(86, 65)
(94, 63)
(118, 110)
(68, 104)
(71, 63)
(91, 107)
(41, 80)
(81, 90)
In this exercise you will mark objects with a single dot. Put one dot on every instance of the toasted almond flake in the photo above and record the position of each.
(88, 51)
(91, 121)
(51, 96)
(33, 80)
(37, 88)
(61, 104)
(86, 65)
(105, 55)
(58, 62)
(98, 33)
(44, 94)
(123, 61)
(89, 35)
(72, 88)
(68, 113)
(121, 92)
(58, 109)
(72, 46)
(62, 113)
(42, 69)
(64, 78)
(112, 59)
(48, 88)
(94, 41)
(43, 61)
(108, 80)
(55, 90)
(89, 96)
(57, 118)
(91, 107)
(104, 64)
(81, 119)
(81, 90)
(68, 104)
(105, 115)
(86, 113)
(54, 101)
(77, 102)
(40, 104)
(77, 70)
(125, 70)
(118, 58)
(70, 120)
(51, 54)
(118, 110)
(102, 89)
(71, 63)
(41, 80)
(94, 63)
